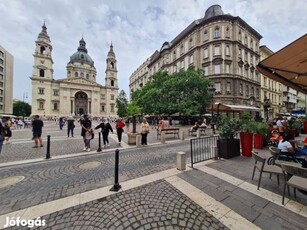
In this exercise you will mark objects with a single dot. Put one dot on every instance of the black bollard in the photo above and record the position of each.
(99, 142)
(48, 147)
(116, 185)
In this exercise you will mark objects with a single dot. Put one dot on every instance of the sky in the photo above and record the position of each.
(136, 29)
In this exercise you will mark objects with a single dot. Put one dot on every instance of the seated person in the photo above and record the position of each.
(285, 146)
(203, 125)
(302, 151)
(194, 127)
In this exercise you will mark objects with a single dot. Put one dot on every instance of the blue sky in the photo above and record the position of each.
(136, 28)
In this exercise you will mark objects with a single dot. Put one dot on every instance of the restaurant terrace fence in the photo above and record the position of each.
(203, 149)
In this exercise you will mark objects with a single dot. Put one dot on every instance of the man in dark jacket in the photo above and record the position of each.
(105, 129)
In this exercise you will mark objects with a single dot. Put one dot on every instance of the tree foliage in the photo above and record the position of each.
(184, 92)
(21, 108)
(122, 103)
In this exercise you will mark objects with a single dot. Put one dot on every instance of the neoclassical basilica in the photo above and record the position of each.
(78, 93)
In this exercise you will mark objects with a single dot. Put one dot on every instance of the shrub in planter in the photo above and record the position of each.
(261, 130)
(228, 145)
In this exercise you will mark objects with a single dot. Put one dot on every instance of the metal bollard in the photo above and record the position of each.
(48, 147)
(116, 185)
(181, 135)
(162, 137)
(138, 140)
(198, 133)
(99, 142)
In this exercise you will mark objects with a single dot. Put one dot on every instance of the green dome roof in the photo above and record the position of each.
(81, 55)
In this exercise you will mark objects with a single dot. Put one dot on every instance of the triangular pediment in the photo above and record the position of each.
(79, 80)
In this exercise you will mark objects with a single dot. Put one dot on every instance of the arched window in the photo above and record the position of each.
(76, 74)
(82, 75)
(42, 73)
(55, 106)
(87, 76)
(206, 37)
(112, 65)
(216, 32)
(112, 82)
(43, 50)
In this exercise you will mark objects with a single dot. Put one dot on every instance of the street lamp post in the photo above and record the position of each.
(266, 105)
(212, 90)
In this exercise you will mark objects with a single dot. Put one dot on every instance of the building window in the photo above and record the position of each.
(55, 92)
(252, 45)
(42, 50)
(217, 68)
(216, 50)
(1, 61)
(206, 70)
(241, 89)
(246, 40)
(217, 87)
(1, 99)
(227, 33)
(227, 68)
(82, 75)
(206, 53)
(191, 59)
(240, 53)
(1, 69)
(240, 70)
(112, 96)
(1, 91)
(1, 76)
(87, 76)
(1, 54)
(227, 50)
(228, 87)
(1, 84)
(103, 96)
(174, 55)
(206, 37)
(42, 73)
(76, 74)
(240, 36)
(102, 108)
(41, 91)
(190, 43)
(55, 106)
(112, 108)
(41, 105)
(246, 90)
(257, 93)
(216, 32)
(181, 49)
(112, 82)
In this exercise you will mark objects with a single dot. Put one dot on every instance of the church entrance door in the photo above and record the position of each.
(81, 101)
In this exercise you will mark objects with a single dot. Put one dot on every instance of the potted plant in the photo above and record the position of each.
(297, 125)
(246, 134)
(228, 144)
(292, 129)
(261, 130)
(132, 111)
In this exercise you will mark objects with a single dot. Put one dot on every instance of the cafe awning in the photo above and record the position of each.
(220, 107)
(289, 65)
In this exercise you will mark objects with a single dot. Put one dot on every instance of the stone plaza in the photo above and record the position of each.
(71, 190)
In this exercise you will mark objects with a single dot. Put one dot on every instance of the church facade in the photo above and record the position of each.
(78, 93)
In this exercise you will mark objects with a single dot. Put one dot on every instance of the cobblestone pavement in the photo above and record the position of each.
(50, 180)
(157, 205)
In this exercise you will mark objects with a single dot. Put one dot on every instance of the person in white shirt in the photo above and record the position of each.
(285, 146)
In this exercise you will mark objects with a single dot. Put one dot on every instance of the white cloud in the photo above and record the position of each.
(136, 29)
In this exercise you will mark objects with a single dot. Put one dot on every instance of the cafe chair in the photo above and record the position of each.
(295, 176)
(263, 168)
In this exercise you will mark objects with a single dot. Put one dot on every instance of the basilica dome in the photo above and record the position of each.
(81, 55)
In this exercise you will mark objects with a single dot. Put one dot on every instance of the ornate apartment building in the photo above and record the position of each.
(224, 46)
(78, 93)
(6, 81)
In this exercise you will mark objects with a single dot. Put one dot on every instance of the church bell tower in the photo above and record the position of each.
(111, 70)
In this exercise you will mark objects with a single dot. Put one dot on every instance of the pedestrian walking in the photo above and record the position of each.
(61, 123)
(70, 126)
(119, 129)
(86, 125)
(37, 125)
(2, 130)
(105, 127)
(8, 131)
(144, 130)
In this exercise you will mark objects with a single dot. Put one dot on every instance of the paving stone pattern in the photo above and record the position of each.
(255, 209)
(157, 205)
(51, 180)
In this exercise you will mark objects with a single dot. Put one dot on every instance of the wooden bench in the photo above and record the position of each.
(167, 131)
(201, 130)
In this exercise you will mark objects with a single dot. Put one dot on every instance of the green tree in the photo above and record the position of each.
(184, 92)
(132, 111)
(122, 103)
(21, 108)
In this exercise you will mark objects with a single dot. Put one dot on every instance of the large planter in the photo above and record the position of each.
(228, 148)
(246, 143)
(258, 141)
(132, 138)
